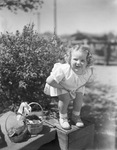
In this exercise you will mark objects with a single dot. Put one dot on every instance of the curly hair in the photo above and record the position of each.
(80, 47)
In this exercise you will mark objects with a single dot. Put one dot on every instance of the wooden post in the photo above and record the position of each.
(55, 18)
(75, 138)
(38, 22)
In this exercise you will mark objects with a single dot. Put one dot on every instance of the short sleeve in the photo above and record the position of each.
(57, 72)
(92, 76)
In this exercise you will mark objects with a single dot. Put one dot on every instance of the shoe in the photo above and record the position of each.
(64, 123)
(77, 120)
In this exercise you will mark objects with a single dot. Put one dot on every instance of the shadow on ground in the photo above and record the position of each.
(100, 107)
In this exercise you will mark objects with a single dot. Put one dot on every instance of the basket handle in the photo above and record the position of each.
(36, 104)
(6, 120)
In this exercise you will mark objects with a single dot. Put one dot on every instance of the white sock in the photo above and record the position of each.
(63, 115)
(76, 113)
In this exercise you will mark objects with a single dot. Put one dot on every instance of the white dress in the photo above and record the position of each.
(66, 77)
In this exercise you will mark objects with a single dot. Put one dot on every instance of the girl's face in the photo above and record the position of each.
(78, 61)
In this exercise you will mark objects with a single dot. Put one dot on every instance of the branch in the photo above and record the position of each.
(25, 5)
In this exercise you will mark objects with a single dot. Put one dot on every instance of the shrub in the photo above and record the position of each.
(26, 60)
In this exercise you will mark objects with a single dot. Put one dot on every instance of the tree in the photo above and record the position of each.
(25, 5)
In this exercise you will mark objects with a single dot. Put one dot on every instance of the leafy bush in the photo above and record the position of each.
(26, 60)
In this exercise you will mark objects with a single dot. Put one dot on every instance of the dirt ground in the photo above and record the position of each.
(106, 75)
(106, 79)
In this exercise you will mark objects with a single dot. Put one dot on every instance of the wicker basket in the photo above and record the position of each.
(35, 126)
(16, 135)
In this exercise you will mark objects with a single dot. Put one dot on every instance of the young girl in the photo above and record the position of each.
(68, 80)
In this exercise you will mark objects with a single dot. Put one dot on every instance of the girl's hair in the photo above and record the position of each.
(81, 47)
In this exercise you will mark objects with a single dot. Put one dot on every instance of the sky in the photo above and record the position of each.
(90, 16)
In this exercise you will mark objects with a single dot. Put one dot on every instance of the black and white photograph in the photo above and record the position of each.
(58, 75)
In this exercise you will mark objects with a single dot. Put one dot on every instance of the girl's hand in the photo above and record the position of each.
(73, 94)
(64, 88)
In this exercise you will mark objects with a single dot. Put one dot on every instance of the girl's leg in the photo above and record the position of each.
(63, 103)
(77, 104)
(78, 101)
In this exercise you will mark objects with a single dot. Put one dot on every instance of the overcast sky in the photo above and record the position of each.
(92, 16)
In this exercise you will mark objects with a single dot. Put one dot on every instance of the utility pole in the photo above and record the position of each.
(38, 22)
(55, 17)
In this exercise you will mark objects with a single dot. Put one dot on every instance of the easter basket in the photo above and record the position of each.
(17, 131)
(34, 119)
